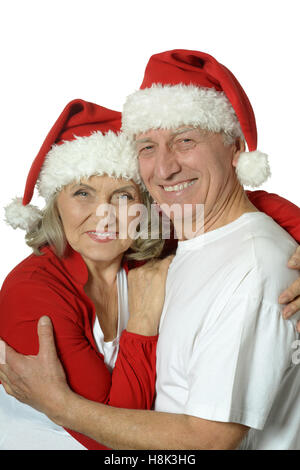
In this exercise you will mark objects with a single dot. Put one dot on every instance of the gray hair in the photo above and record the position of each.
(230, 137)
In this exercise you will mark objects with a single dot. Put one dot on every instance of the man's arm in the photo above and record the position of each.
(39, 381)
(137, 429)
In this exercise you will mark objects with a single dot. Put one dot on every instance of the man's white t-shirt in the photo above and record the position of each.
(224, 351)
(24, 428)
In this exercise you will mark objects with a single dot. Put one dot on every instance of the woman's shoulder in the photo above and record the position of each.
(32, 268)
(41, 284)
(47, 272)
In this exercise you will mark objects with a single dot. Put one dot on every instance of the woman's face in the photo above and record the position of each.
(97, 231)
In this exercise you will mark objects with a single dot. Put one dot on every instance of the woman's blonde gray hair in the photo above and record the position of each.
(50, 231)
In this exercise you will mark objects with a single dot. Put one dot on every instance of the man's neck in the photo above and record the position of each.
(228, 209)
(225, 210)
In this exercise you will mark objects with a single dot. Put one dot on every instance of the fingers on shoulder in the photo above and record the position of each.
(294, 290)
(294, 261)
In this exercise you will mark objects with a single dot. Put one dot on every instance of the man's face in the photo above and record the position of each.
(186, 165)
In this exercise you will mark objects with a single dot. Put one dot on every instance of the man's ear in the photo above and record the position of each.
(238, 147)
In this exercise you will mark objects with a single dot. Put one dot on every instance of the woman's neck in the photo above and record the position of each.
(104, 272)
(101, 288)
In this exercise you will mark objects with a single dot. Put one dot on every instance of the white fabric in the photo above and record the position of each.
(110, 349)
(23, 428)
(224, 351)
(97, 154)
(171, 106)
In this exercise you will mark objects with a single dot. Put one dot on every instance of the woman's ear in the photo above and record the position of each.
(238, 148)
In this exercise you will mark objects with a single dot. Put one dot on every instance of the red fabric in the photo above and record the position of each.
(79, 118)
(47, 285)
(284, 212)
(202, 70)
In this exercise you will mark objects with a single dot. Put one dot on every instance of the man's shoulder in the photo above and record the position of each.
(263, 250)
(264, 226)
(271, 246)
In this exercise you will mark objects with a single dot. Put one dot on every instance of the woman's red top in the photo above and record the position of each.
(48, 285)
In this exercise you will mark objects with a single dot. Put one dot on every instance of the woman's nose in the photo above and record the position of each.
(105, 214)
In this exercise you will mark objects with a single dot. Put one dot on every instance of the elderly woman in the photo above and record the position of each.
(77, 275)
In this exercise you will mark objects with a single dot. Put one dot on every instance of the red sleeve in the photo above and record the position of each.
(132, 384)
(284, 212)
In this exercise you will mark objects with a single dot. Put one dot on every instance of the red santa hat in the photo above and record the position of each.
(183, 87)
(84, 141)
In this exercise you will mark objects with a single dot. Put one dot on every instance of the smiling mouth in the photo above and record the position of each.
(103, 235)
(179, 186)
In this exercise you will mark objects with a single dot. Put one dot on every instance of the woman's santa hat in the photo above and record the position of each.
(183, 87)
(84, 141)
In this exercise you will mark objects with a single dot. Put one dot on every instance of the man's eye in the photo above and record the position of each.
(185, 143)
(146, 150)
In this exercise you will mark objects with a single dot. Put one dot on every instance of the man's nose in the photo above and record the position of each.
(166, 163)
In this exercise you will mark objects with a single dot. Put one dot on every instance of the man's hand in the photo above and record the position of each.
(39, 381)
(291, 296)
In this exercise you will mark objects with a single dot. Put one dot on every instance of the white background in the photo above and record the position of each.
(54, 51)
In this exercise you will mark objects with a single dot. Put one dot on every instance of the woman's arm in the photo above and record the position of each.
(132, 383)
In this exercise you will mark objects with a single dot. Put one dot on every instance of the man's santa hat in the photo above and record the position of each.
(84, 141)
(183, 87)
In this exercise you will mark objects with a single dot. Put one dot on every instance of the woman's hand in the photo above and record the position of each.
(39, 381)
(146, 290)
(291, 296)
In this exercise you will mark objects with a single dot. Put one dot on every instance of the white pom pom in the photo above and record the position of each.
(253, 168)
(24, 217)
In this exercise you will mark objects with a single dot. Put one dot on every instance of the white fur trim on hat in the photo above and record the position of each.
(253, 168)
(19, 216)
(170, 106)
(98, 154)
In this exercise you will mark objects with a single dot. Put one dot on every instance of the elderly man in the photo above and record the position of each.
(227, 362)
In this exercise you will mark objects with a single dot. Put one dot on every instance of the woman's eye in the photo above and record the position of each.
(122, 197)
(81, 193)
(126, 197)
